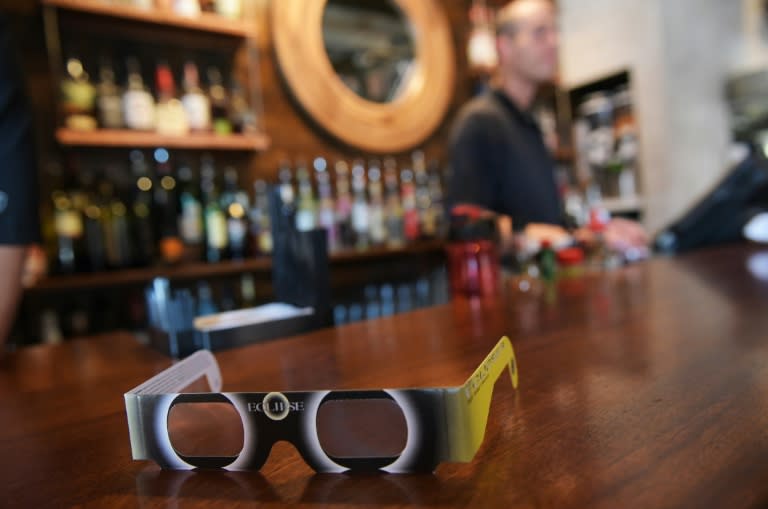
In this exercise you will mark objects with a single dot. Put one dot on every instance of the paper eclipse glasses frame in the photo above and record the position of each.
(433, 424)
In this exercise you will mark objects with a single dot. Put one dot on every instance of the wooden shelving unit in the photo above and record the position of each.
(132, 277)
(206, 22)
(117, 138)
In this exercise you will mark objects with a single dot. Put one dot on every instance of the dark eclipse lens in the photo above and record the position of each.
(361, 428)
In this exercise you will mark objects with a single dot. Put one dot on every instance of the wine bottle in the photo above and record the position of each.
(219, 102)
(422, 195)
(393, 207)
(205, 304)
(242, 117)
(344, 205)
(437, 200)
(410, 212)
(215, 220)
(114, 219)
(68, 225)
(287, 194)
(171, 117)
(247, 291)
(306, 219)
(95, 244)
(326, 214)
(360, 209)
(234, 202)
(260, 224)
(190, 215)
(78, 97)
(138, 103)
(377, 226)
(196, 104)
(166, 208)
(141, 211)
(110, 103)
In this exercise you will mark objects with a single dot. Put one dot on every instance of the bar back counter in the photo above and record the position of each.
(642, 387)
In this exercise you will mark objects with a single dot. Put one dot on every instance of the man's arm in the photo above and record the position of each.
(19, 224)
(11, 267)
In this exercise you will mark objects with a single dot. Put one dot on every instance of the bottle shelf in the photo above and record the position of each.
(138, 139)
(205, 22)
(200, 270)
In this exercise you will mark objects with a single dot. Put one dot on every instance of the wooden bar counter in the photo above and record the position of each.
(644, 387)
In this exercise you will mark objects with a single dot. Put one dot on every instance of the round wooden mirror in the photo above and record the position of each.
(385, 118)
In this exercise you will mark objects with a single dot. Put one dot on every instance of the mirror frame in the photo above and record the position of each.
(397, 126)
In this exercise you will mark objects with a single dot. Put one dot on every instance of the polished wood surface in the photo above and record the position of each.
(644, 387)
(126, 138)
(205, 22)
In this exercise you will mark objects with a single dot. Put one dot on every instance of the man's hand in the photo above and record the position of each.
(623, 235)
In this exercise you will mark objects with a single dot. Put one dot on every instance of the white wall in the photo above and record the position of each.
(679, 53)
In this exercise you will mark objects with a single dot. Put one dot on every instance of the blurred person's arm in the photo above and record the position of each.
(11, 268)
(19, 223)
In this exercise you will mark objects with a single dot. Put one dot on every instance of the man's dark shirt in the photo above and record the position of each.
(500, 162)
(19, 223)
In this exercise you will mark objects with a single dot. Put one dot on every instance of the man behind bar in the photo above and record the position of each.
(499, 158)
(19, 225)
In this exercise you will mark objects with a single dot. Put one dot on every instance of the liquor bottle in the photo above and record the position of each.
(190, 215)
(360, 210)
(95, 244)
(422, 196)
(219, 102)
(216, 240)
(234, 202)
(481, 45)
(171, 117)
(287, 194)
(78, 97)
(114, 219)
(227, 297)
(242, 117)
(377, 225)
(247, 291)
(437, 201)
(325, 213)
(138, 103)
(68, 225)
(109, 102)
(393, 208)
(187, 8)
(260, 223)
(410, 212)
(343, 205)
(196, 104)
(205, 304)
(305, 208)
(141, 210)
(229, 8)
(166, 207)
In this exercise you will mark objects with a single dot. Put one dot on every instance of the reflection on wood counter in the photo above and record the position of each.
(643, 387)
